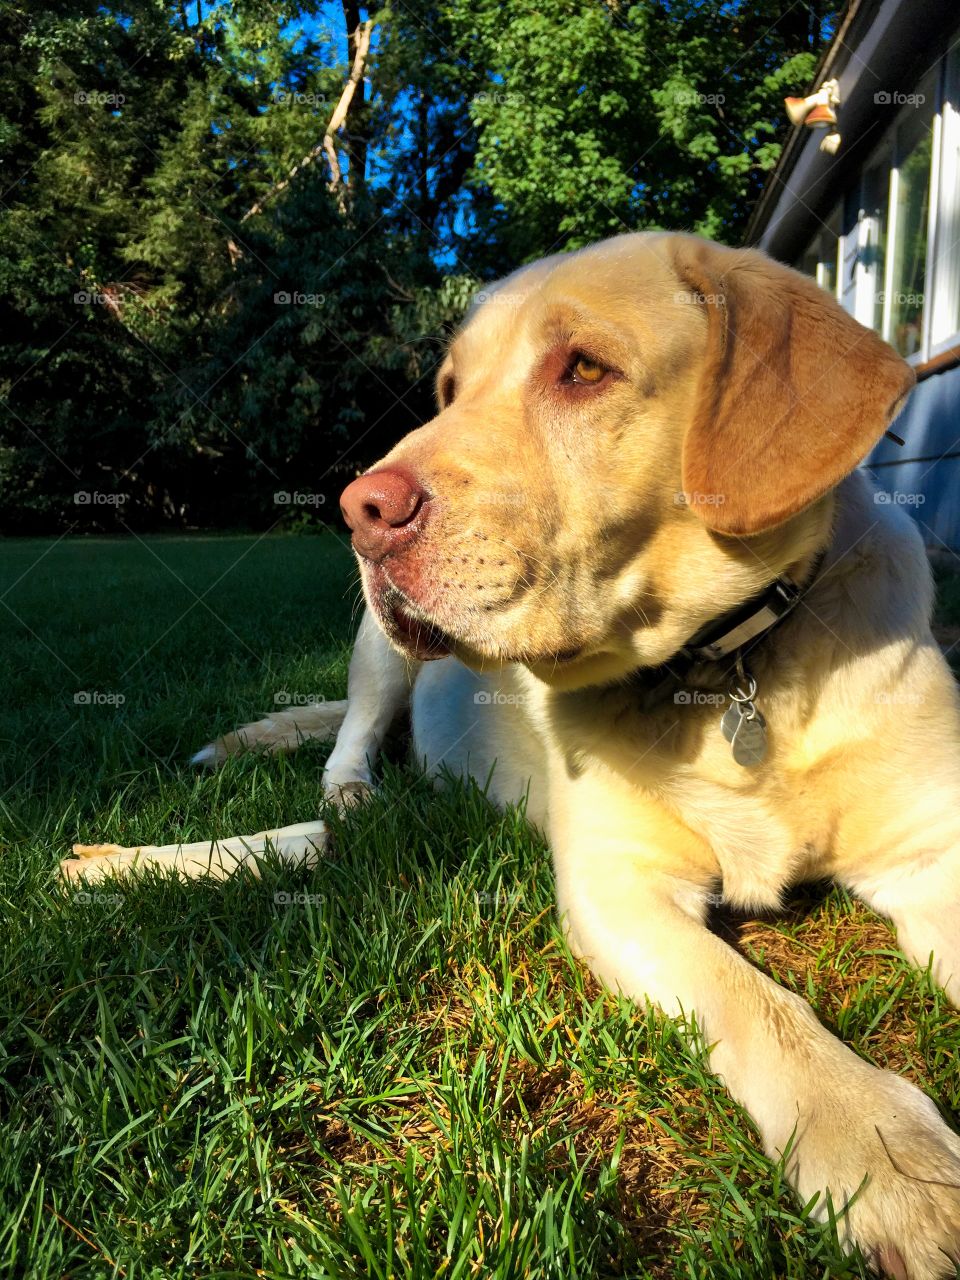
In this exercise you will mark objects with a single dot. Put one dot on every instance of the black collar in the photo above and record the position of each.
(726, 636)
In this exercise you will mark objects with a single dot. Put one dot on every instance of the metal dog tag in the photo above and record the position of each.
(743, 725)
(746, 733)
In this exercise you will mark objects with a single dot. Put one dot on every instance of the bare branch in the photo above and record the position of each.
(362, 38)
(363, 34)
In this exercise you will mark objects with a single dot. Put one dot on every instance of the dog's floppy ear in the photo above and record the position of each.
(793, 394)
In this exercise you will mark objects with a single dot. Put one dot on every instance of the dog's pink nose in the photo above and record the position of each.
(382, 509)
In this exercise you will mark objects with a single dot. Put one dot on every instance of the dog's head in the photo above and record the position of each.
(630, 440)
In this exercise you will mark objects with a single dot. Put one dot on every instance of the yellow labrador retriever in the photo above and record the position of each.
(630, 564)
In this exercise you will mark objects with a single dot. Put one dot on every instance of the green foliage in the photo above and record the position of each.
(602, 118)
(165, 179)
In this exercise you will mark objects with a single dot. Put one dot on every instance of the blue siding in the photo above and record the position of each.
(924, 475)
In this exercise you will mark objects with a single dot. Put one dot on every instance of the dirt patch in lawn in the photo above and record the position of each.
(844, 957)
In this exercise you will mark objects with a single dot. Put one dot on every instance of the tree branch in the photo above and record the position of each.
(363, 34)
(362, 38)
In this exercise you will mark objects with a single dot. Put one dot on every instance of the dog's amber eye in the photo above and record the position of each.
(587, 371)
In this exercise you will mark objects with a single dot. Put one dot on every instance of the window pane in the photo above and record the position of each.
(914, 153)
(819, 259)
(808, 262)
(849, 229)
(829, 245)
(873, 252)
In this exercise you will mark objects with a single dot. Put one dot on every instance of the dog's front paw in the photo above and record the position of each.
(892, 1170)
(344, 790)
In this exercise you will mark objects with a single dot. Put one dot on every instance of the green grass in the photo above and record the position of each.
(388, 1066)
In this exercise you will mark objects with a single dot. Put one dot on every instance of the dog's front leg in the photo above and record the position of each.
(378, 687)
(920, 892)
(633, 896)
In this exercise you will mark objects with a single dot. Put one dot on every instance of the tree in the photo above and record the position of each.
(603, 117)
(172, 171)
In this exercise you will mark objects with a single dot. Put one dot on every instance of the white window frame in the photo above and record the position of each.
(944, 259)
(893, 195)
(841, 258)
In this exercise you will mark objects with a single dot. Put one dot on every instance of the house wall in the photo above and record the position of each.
(924, 475)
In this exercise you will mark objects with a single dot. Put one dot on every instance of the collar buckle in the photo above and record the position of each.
(745, 624)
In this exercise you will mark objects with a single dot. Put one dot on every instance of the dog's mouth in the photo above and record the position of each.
(397, 615)
(404, 624)
(421, 640)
